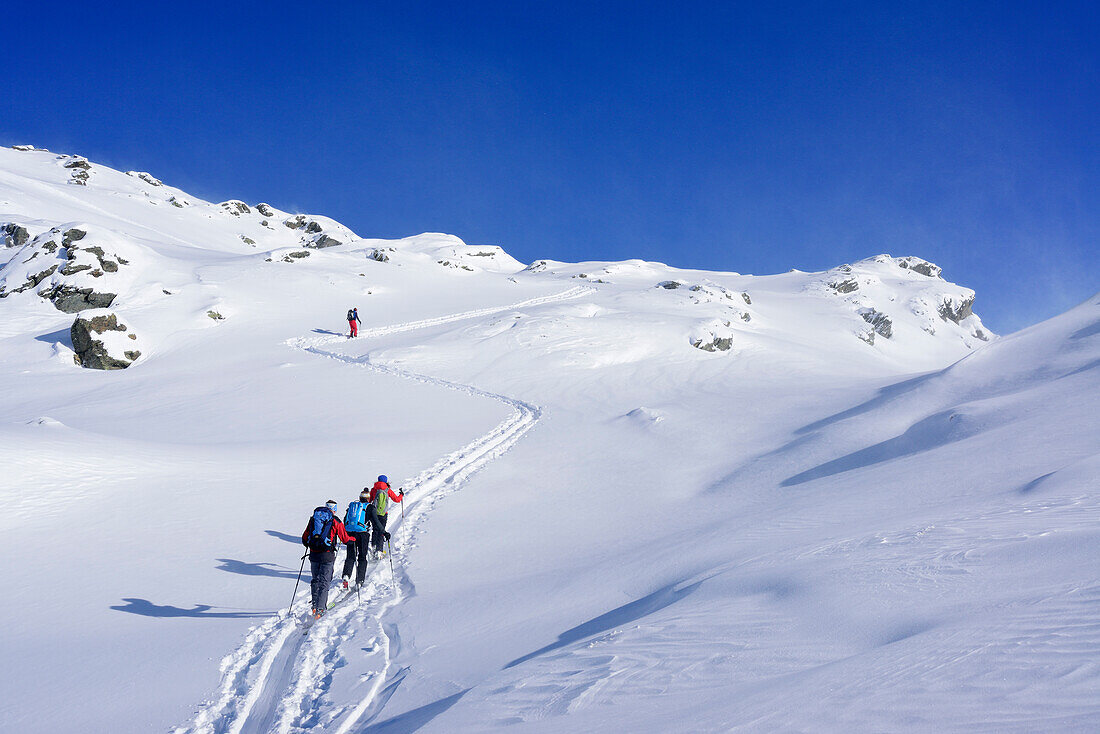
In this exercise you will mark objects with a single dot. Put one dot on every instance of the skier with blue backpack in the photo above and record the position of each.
(359, 521)
(322, 533)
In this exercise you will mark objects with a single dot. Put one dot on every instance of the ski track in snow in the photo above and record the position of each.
(277, 680)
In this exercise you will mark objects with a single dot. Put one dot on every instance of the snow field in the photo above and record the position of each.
(814, 529)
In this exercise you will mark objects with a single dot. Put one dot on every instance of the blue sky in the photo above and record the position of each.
(754, 137)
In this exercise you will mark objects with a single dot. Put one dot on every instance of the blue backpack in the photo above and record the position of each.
(320, 531)
(355, 519)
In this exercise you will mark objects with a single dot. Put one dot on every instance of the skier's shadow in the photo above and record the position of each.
(327, 331)
(146, 608)
(295, 539)
(255, 569)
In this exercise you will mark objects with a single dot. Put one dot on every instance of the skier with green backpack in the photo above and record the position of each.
(380, 497)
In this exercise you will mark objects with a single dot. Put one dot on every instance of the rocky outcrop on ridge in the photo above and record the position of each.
(65, 267)
(870, 286)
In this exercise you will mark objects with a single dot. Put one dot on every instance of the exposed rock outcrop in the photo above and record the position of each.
(68, 299)
(716, 344)
(90, 347)
(147, 178)
(66, 283)
(324, 241)
(13, 235)
(81, 170)
(920, 266)
(879, 322)
(844, 286)
(717, 336)
(235, 207)
(956, 309)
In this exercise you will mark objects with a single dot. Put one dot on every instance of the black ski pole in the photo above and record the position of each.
(298, 581)
(402, 491)
(390, 554)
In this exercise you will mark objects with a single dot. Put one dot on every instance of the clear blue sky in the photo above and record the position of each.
(755, 137)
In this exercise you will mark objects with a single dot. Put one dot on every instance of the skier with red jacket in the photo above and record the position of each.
(380, 496)
(322, 532)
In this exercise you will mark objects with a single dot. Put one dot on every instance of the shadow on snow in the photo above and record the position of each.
(411, 721)
(146, 608)
(932, 432)
(617, 617)
(256, 569)
(295, 539)
(63, 336)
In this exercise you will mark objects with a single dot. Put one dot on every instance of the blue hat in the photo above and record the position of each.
(383, 478)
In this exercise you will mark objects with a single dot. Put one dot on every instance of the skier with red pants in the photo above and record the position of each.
(353, 323)
(322, 533)
(380, 496)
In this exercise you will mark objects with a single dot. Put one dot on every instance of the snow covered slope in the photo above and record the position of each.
(638, 497)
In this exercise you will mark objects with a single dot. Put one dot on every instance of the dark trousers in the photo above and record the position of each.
(357, 552)
(320, 565)
(378, 523)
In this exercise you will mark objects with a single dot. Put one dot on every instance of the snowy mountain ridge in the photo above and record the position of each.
(638, 497)
(129, 242)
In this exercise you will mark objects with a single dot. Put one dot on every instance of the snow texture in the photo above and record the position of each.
(638, 498)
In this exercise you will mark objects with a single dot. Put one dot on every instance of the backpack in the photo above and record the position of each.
(381, 500)
(351, 315)
(355, 520)
(320, 530)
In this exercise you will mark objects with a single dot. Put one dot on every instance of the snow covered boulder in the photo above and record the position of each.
(235, 207)
(146, 177)
(13, 235)
(102, 343)
(919, 266)
(80, 167)
(846, 285)
(880, 323)
(713, 337)
(956, 308)
(316, 232)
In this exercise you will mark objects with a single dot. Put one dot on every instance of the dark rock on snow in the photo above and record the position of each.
(879, 322)
(325, 241)
(718, 344)
(844, 286)
(90, 352)
(12, 235)
(950, 310)
(68, 299)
